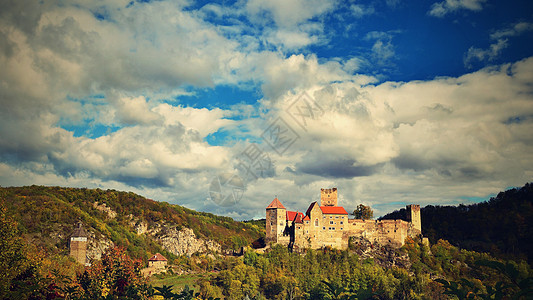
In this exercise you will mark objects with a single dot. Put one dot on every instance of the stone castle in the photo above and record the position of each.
(328, 224)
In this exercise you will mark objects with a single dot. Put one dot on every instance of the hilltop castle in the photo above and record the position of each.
(327, 224)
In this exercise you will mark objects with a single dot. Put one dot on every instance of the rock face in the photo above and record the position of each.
(177, 241)
(384, 255)
(96, 247)
(184, 242)
(103, 207)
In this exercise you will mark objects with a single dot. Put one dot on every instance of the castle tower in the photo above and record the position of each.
(276, 215)
(413, 216)
(328, 197)
(78, 244)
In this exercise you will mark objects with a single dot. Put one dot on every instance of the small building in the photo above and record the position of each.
(157, 261)
(78, 244)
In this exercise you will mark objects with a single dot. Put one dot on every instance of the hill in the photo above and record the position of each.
(501, 225)
(46, 217)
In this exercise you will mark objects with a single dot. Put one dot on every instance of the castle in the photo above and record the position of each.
(327, 224)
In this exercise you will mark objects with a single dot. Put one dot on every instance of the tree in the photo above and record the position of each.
(363, 212)
(115, 275)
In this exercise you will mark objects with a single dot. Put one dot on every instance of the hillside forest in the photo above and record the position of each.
(34, 262)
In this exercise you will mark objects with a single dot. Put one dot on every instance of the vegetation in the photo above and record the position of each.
(363, 212)
(45, 214)
(44, 271)
(501, 226)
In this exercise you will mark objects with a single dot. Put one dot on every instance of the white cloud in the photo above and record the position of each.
(287, 13)
(418, 141)
(489, 54)
(383, 48)
(514, 30)
(359, 10)
(440, 9)
(135, 111)
(500, 40)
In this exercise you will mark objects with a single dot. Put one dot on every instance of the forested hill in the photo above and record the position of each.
(46, 216)
(501, 225)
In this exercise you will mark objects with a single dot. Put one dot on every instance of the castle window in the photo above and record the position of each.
(336, 217)
(316, 222)
(330, 222)
(323, 228)
(341, 228)
(341, 222)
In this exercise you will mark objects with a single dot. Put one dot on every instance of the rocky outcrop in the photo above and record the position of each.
(140, 226)
(104, 208)
(184, 241)
(97, 246)
(384, 255)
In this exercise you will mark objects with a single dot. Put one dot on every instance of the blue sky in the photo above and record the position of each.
(393, 102)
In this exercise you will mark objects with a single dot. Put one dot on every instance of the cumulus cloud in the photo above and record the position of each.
(440, 9)
(114, 66)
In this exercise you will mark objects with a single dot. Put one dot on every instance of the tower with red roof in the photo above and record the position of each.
(276, 220)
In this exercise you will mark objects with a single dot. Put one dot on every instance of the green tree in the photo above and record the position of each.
(363, 212)
(13, 261)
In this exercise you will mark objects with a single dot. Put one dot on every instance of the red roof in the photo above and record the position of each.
(291, 215)
(333, 210)
(157, 257)
(306, 218)
(294, 216)
(275, 204)
(299, 218)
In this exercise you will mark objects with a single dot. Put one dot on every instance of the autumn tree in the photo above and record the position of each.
(363, 212)
(116, 275)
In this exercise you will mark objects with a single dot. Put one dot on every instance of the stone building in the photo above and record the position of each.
(78, 244)
(157, 261)
(156, 264)
(327, 224)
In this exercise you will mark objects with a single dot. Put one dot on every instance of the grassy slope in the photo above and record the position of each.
(47, 215)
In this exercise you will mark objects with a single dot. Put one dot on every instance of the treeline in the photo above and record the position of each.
(501, 226)
(435, 273)
(335, 274)
(47, 216)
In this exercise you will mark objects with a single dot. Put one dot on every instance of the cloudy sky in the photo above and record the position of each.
(391, 101)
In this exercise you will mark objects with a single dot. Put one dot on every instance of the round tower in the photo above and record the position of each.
(78, 244)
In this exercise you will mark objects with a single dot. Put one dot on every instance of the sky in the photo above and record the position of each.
(220, 107)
